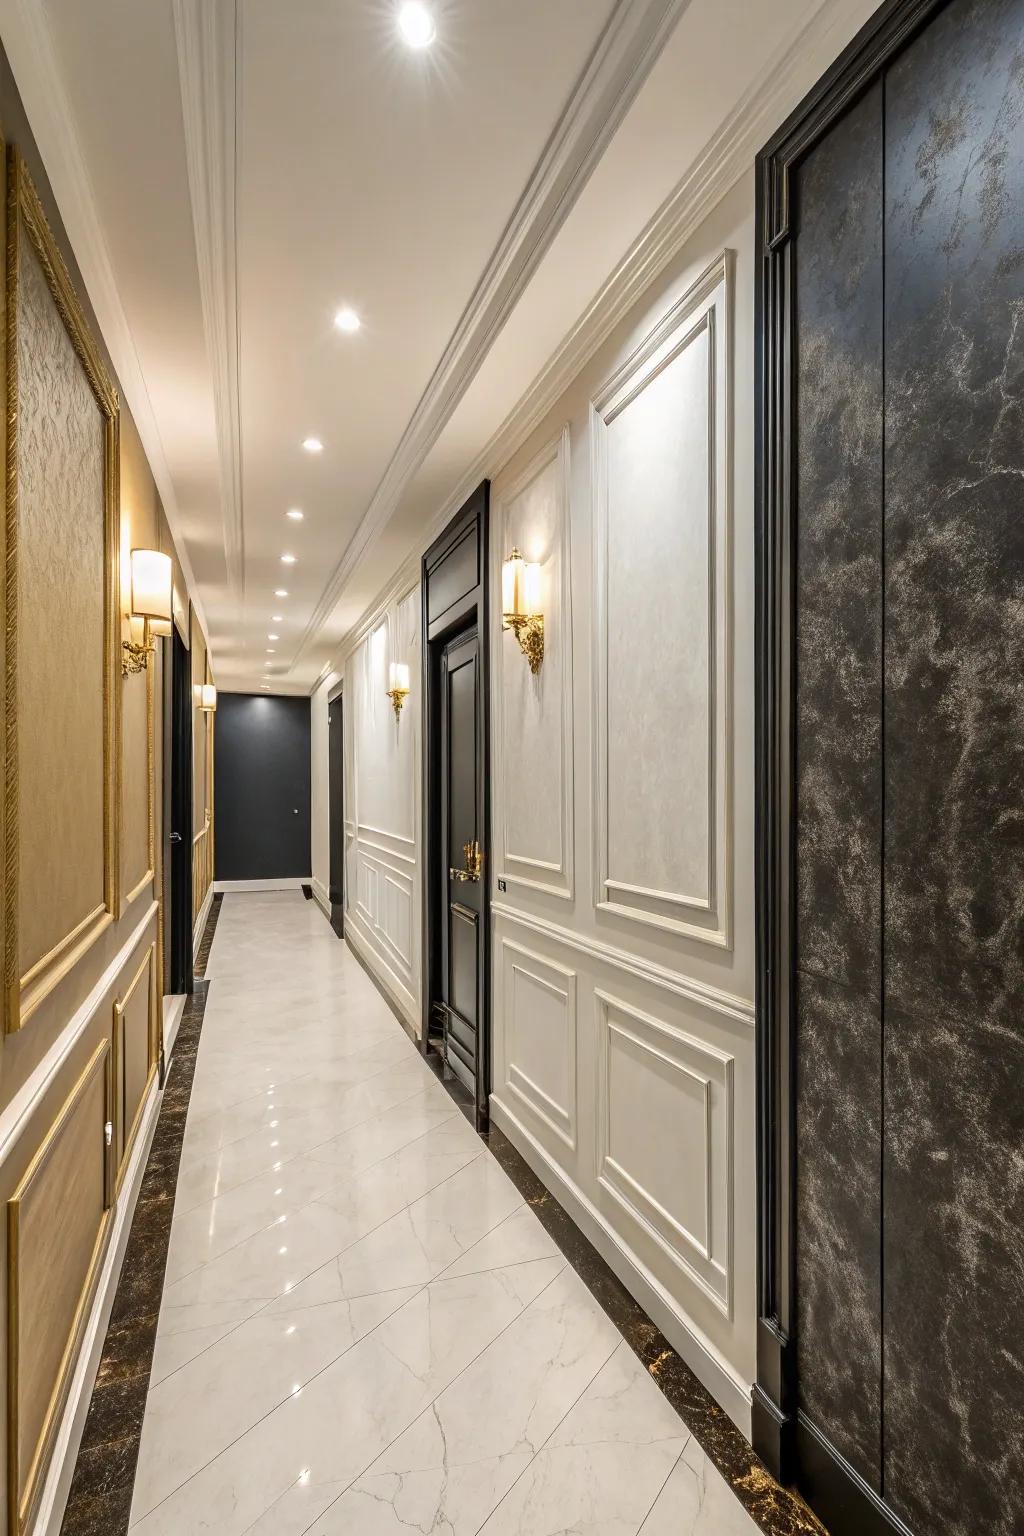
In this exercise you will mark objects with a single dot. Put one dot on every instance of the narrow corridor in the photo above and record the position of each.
(364, 1329)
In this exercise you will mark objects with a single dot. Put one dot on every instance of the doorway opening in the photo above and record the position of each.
(456, 787)
(336, 806)
(178, 818)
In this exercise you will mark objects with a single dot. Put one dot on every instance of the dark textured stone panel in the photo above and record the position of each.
(954, 740)
(838, 583)
(839, 1197)
(954, 747)
(954, 1276)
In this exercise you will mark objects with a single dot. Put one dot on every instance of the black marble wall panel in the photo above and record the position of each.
(953, 1216)
(838, 771)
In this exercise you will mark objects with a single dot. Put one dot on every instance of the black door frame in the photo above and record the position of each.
(471, 606)
(336, 808)
(791, 1447)
(178, 826)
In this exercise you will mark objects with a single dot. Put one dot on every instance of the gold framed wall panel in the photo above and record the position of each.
(127, 1116)
(48, 1225)
(24, 989)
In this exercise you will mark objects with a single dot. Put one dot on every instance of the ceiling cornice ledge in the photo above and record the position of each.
(30, 51)
(727, 156)
(633, 37)
(206, 41)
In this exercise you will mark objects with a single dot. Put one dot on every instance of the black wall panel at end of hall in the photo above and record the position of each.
(262, 787)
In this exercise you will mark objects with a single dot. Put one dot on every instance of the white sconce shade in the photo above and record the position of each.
(398, 676)
(512, 574)
(521, 606)
(531, 589)
(136, 629)
(208, 697)
(151, 585)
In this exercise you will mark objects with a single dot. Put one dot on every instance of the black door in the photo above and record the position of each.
(456, 812)
(336, 809)
(178, 827)
(460, 870)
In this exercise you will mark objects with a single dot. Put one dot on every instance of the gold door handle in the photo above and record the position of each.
(474, 863)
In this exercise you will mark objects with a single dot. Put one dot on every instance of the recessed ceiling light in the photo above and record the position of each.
(416, 24)
(313, 445)
(280, 592)
(271, 651)
(347, 320)
(287, 559)
(294, 514)
(273, 637)
(276, 618)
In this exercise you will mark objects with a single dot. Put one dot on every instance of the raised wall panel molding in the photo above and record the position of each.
(381, 839)
(631, 41)
(206, 39)
(688, 351)
(30, 50)
(723, 161)
(539, 1030)
(674, 1175)
(518, 760)
(726, 1004)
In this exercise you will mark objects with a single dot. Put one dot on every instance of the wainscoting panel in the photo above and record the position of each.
(664, 1138)
(661, 454)
(534, 770)
(540, 1039)
(57, 1221)
(135, 1056)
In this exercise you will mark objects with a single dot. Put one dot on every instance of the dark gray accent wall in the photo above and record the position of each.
(262, 787)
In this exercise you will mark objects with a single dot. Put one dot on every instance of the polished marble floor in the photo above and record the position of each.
(364, 1330)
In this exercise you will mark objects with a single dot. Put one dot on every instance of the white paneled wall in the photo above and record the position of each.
(623, 847)
(382, 803)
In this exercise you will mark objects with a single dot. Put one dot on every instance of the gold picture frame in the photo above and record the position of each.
(22, 993)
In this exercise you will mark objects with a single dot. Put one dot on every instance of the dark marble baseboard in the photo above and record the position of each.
(100, 1500)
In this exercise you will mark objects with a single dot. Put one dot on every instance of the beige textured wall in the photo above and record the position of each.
(86, 1052)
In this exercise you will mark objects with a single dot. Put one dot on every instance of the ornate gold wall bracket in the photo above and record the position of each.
(135, 657)
(529, 631)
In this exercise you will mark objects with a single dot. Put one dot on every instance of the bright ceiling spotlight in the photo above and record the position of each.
(275, 618)
(294, 514)
(273, 637)
(416, 24)
(280, 592)
(287, 559)
(347, 320)
(312, 445)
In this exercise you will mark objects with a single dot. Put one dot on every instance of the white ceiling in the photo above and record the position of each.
(468, 201)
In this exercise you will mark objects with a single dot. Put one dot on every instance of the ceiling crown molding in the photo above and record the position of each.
(207, 36)
(633, 37)
(727, 156)
(30, 52)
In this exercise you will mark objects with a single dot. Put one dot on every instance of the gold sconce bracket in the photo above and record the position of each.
(135, 656)
(398, 697)
(529, 631)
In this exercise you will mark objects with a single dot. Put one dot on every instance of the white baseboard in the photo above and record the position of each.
(706, 1364)
(174, 1007)
(262, 885)
(200, 922)
(400, 998)
(50, 1512)
(322, 897)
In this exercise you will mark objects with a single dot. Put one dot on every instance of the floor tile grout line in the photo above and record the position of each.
(419, 1291)
(293, 1082)
(315, 1201)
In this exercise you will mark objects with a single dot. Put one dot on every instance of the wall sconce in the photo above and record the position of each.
(520, 605)
(150, 612)
(398, 685)
(207, 697)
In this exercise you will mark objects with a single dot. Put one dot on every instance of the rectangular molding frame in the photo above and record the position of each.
(24, 993)
(129, 1133)
(560, 1119)
(555, 879)
(21, 1500)
(707, 303)
(150, 874)
(670, 1046)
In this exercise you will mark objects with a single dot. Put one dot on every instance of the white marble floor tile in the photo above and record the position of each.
(364, 1329)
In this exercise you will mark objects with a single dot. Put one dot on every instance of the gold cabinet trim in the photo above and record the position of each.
(21, 1500)
(23, 994)
(152, 1050)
